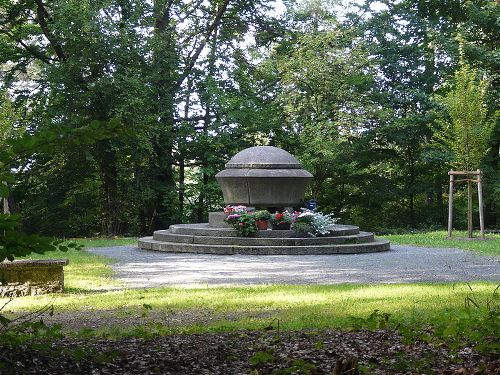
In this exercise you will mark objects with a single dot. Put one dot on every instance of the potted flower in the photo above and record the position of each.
(262, 219)
(241, 220)
(303, 222)
(313, 223)
(281, 220)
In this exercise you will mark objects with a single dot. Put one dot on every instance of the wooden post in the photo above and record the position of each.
(469, 209)
(480, 198)
(450, 205)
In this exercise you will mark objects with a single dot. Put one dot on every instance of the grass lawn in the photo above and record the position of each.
(489, 246)
(87, 272)
(454, 309)
(456, 314)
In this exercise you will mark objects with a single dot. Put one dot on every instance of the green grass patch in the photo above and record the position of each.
(488, 246)
(87, 272)
(453, 313)
(298, 305)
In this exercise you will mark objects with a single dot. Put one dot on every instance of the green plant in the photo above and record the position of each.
(261, 358)
(301, 227)
(300, 366)
(27, 326)
(313, 223)
(244, 223)
(262, 215)
(467, 130)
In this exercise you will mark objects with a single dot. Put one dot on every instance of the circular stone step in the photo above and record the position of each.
(166, 236)
(204, 229)
(147, 243)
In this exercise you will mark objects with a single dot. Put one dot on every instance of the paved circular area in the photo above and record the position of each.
(402, 264)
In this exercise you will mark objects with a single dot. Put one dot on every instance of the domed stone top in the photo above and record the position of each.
(263, 176)
(263, 157)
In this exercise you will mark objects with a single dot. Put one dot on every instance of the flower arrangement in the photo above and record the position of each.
(262, 215)
(234, 209)
(313, 223)
(240, 219)
(281, 220)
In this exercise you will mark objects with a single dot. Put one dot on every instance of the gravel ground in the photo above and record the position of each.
(402, 264)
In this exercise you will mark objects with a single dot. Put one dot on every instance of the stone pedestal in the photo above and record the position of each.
(216, 220)
(31, 277)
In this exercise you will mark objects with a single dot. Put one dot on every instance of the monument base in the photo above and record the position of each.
(217, 237)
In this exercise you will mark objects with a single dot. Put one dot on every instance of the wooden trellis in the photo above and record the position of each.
(469, 180)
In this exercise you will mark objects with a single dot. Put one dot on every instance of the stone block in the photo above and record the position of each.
(31, 277)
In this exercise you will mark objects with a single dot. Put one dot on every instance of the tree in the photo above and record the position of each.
(128, 61)
(8, 118)
(467, 131)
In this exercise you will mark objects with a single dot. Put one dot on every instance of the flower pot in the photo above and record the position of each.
(281, 226)
(262, 224)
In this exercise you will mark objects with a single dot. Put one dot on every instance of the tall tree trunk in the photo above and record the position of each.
(163, 81)
(201, 207)
(109, 176)
(182, 149)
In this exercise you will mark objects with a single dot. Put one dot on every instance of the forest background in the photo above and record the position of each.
(115, 115)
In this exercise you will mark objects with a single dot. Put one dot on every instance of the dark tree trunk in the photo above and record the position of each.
(201, 207)
(163, 81)
(110, 224)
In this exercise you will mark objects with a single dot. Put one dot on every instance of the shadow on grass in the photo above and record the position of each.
(75, 290)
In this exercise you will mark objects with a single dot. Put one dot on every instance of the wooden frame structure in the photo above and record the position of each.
(469, 180)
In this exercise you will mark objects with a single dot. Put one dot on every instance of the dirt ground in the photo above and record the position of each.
(247, 352)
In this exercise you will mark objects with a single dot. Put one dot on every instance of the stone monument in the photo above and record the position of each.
(263, 176)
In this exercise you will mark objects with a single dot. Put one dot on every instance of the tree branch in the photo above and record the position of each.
(42, 16)
(162, 22)
(191, 119)
(32, 50)
(210, 29)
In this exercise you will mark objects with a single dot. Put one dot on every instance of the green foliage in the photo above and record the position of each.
(458, 314)
(281, 218)
(477, 325)
(30, 326)
(301, 227)
(313, 223)
(376, 320)
(180, 87)
(243, 222)
(301, 366)
(468, 132)
(260, 358)
(262, 215)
